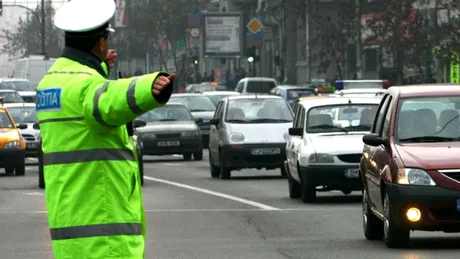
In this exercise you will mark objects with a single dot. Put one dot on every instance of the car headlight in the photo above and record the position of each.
(190, 134)
(414, 176)
(12, 145)
(236, 137)
(320, 158)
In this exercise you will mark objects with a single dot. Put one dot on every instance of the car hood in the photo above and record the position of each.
(7, 135)
(261, 132)
(203, 115)
(27, 93)
(173, 126)
(340, 143)
(428, 156)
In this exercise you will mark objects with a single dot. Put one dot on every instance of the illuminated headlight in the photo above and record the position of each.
(414, 176)
(12, 145)
(190, 134)
(236, 137)
(320, 158)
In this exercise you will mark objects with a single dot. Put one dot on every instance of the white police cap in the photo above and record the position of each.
(84, 15)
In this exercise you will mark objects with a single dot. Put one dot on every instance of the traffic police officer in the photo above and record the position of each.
(93, 192)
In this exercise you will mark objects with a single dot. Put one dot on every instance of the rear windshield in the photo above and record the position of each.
(294, 94)
(260, 86)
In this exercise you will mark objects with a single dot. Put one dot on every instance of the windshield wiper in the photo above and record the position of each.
(268, 120)
(328, 126)
(237, 121)
(167, 120)
(429, 139)
(359, 127)
(199, 110)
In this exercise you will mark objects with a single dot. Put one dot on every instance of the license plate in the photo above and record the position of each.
(168, 143)
(352, 173)
(204, 132)
(458, 204)
(265, 151)
(31, 145)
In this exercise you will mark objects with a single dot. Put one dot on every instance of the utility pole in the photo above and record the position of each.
(358, 39)
(43, 25)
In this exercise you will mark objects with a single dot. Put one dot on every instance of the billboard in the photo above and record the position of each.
(121, 19)
(222, 34)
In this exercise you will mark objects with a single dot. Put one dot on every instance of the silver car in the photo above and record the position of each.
(248, 132)
(219, 95)
(171, 129)
(23, 86)
(25, 113)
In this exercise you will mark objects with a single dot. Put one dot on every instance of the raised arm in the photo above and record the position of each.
(112, 103)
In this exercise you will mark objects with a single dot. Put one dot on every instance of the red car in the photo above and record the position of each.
(410, 165)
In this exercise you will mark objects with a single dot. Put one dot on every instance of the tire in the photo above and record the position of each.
(20, 168)
(215, 170)
(9, 170)
(346, 192)
(308, 191)
(198, 156)
(283, 172)
(187, 156)
(295, 191)
(225, 173)
(41, 175)
(394, 235)
(372, 226)
(141, 169)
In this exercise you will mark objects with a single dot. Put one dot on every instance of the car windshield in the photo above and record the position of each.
(167, 113)
(5, 121)
(196, 103)
(11, 97)
(428, 119)
(294, 94)
(23, 114)
(216, 98)
(204, 88)
(17, 86)
(260, 86)
(341, 118)
(258, 110)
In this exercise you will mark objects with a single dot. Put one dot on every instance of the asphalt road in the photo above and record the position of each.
(190, 215)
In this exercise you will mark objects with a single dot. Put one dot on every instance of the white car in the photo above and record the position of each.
(359, 92)
(324, 146)
(10, 96)
(25, 89)
(25, 113)
(216, 96)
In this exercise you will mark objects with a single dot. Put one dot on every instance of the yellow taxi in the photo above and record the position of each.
(12, 144)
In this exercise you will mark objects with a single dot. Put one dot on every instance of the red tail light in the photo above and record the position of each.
(386, 84)
(320, 89)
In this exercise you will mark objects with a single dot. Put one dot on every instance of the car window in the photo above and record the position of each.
(377, 125)
(240, 86)
(419, 118)
(5, 121)
(11, 97)
(196, 103)
(297, 118)
(215, 98)
(167, 113)
(387, 118)
(260, 86)
(294, 94)
(341, 118)
(258, 110)
(17, 86)
(301, 122)
(23, 114)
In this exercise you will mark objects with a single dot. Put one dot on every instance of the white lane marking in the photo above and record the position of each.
(218, 194)
(172, 164)
(34, 193)
(33, 158)
(338, 209)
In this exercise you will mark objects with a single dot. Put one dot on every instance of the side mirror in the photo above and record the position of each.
(214, 121)
(296, 132)
(36, 126)
(199, 120)
(139, 123)
(373, 139)
(22, 126)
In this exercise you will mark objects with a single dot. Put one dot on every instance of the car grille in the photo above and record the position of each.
(29, 99)
(168, 135)
(445, 214)
(453, 174)
(28, 137)
(350, 158)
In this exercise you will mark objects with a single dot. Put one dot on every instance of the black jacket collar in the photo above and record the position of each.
(84, 58)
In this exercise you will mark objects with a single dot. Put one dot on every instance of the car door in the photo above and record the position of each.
(296, 144)
(372, 175)
(290, 140)
(214, 134)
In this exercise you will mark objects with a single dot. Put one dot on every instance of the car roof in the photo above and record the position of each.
(221, 93)
(258, 79)
(253, 96)
(338, 100)
(186, 94)
(425, 90)
(174, 104)
(360, 90)
(7, 90)
(15, 105)
(13, 80)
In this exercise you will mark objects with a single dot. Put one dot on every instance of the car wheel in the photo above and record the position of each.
(394, 235)
(41, 175)
(187, 156)
(372, 226)
(308, 191)
(294, 188)
(141, 169)
(283, 171)
(225, 173)
(198, 156)
(9, 170)
(346, 192)
(20, 168)
(215, 170)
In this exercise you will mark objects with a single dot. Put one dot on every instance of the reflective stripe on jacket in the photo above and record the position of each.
(93, 192)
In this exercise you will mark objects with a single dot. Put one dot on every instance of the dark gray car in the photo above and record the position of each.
(171, 129)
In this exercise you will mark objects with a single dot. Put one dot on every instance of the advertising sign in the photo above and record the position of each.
(222, 34)
(120, 15)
